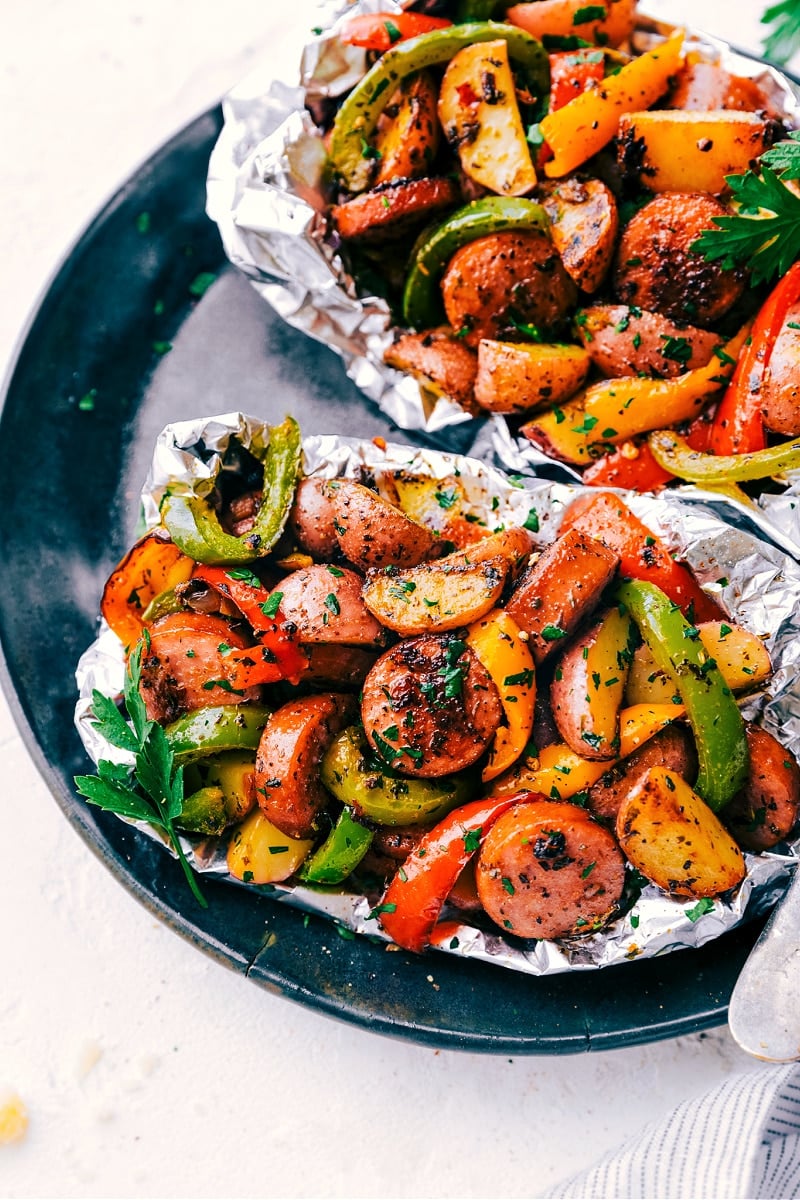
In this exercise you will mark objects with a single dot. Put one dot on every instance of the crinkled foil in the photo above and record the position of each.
(265, 193)
(754, 579)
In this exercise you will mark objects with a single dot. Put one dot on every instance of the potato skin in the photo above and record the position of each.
(440, 361)
(547, 870)
(673, 837)
(655, 269)
(287, 779)
(517, 377)
(689, 151)
(408, 131)
(494, 277)
(765, 811)
(433, 596)
(584, 224)
(445, 733)
(560, 589)
(371, 532)
(623, 342)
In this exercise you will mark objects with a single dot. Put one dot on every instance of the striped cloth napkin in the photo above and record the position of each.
(741, 1140)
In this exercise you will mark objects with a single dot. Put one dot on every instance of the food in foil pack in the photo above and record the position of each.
(569, 215)
(497, 716)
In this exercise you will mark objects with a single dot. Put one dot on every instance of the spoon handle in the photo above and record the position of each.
(764, 1013)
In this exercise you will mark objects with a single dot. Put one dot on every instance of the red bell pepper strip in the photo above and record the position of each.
(642, 555)
(277, 647)
(633, 465)
(738, 426)
(572, 73)
(381, 31)
(414, 898)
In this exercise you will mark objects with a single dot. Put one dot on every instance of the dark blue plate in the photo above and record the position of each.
(119, 346)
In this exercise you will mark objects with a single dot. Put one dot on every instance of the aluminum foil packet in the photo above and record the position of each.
(733, 559)
(265, 192)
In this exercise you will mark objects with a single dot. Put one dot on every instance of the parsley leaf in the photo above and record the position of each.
(784, 157)
(767, 244)
(783, 38)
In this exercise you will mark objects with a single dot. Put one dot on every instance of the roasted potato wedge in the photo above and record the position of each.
(690, 151)
(408, 131)
(260, 853)
(673, 837)
(517, 377)
(437, 596)
(480, 116)
(741, 656)
(438, 360)
(607, 24)
(583, 225)
(373, 533)
(671, 747)
(623, 341)
(588, 686)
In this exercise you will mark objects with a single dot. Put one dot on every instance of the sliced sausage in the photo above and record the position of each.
(323, 602)
(338, 666)
(548, 870)
(312, 518)
(429, 707)
(672, 748)
(657, 270)
(295, 738)
(441, 361)
(397, 841)
(497, 282)
(393, 209)
(560, 589)
(765, 811)
(780, 390)
(624, 341)
(183, 667)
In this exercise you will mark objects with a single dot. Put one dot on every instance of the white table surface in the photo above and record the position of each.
(147, 1069)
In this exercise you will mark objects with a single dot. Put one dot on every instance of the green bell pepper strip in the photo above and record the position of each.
(211, 730)
(162, 605)
(340, 853)
(676, 455)
(717, 724)
(478, 10)
(349, 771)
(422, 301)
(204, 812)
(358, 116)
(195, 528)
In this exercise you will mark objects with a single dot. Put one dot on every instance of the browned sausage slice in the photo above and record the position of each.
(780, 391)
(374, 533)
(312, 518)
(288, 786)
(672, 748)
(766, 809)
(441, 361)
(429, 707)
(624, 341)
(324, 604)
(656, 269)
(183, 667)
(559, 589)
(706, 87)
(393, 209)
(547, 870)
(497, 282)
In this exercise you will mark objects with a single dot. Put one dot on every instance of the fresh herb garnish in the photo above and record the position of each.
(783, 38)
(153, 790)
(767, 244)
(270, 606)
(676, 348)
(592, 12)
(531, 522)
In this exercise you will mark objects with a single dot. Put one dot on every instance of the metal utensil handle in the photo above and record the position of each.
(764, 1013)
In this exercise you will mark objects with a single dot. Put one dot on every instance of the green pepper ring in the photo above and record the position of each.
(422, 305)
(358, 116)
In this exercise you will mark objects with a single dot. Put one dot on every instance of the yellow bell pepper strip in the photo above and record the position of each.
(675, 454)
(559, 773)
(495, 640)
(355, 123)
(195, 527)
(717, 724)
(153, 566)
(349, 771)
(422, 301)
(340, 853)
(616, 410)
(586, 124)
(414, 898)
(211, 730)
